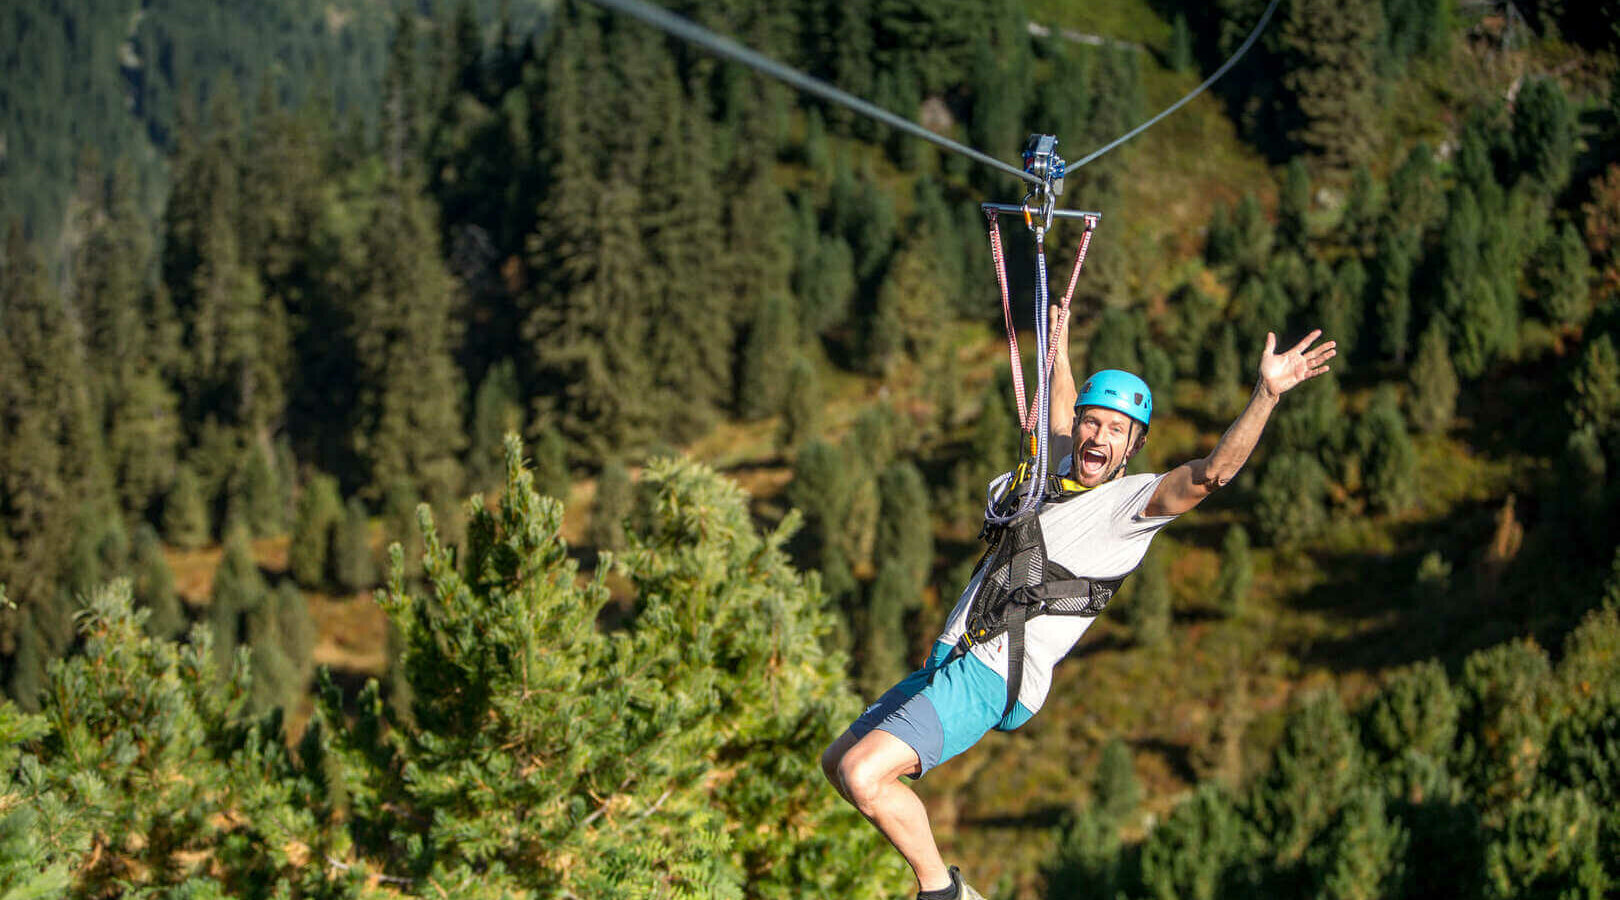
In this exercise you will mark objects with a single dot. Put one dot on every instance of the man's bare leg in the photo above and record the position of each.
(867, 773)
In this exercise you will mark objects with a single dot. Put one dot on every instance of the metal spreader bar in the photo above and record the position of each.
(1020, 209)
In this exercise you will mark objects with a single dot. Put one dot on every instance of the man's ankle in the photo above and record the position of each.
(951, 891)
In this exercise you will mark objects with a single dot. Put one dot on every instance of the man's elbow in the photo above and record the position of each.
(1215, 476)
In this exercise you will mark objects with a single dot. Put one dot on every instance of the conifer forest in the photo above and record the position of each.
(489, 449)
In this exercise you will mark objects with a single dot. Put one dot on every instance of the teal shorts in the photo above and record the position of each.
(942, 708)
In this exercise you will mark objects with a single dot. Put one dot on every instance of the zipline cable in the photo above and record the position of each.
(672, 24)
(1247, 43)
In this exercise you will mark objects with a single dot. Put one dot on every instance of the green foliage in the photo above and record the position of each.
(801, 407)
(1563, 278)
(612, 504)
(1548, 847)
(1290, 499)
(1236, 577)
(153, 586)
(721, 671)
(1389, 460)
(1503, 722)
(1397, 259)
(1434, 387)
(1332, 49)
(1199, 851)
(185, 511)
(1115, 786)
(320, 507)
(1181, 55)
(497, 410)
(1147, 609)
(551, 474)
(768, 357)
(1544, 134)
(352, 561)
(239, 588)
(1293, 205)
(1086, 858)
(1316, 768)
(1596, 403)
(1361, 856)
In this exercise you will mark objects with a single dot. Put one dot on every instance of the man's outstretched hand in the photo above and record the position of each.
(1280, 372)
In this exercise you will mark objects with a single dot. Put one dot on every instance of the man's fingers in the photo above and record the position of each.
(1271, 343)
(1306, 342)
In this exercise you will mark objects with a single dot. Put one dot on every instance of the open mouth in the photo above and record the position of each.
(1093, 461)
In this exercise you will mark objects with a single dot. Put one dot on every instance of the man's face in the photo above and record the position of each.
(1102, 442)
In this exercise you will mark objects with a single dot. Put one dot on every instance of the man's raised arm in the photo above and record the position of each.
(1061, 421)
(1189, 483)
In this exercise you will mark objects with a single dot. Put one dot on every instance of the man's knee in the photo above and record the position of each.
(862, 779)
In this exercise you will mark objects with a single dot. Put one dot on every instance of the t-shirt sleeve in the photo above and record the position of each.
(1128, 518)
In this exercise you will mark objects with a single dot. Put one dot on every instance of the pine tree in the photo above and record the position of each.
(1236, 575)
(1289, 502)
(1253, 236)
(1390, 462)
(1550, 846)
(1503, 722)
(692, 345)
(1410, 727)
(1147, 609)
(256, 497)
(185, 511)
(352, 562)
(1416, 199)
(1362, 211)
(319, 508)
(53, 480)
(1195, 852)
(408, 426)
(1397, 259)
(1596, 404)
(1221, 239)
(551, 473)
(653, 697)
(497, 411)
(1331, 51)
(239, 589)
(1434, 387)
(1544, 134)
(1293, 206)
(613, 498)
(1563, 279)
(1362, 855)
(801, 405)
(1316, 768)
(767, 357)
(1086, 858)
(1181, 50)
(1115, 786)
(821, 490)
(153, 586)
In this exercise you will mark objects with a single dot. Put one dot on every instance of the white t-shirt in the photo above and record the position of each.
(1099, 534)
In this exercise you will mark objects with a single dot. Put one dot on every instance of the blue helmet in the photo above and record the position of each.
(1120, 391)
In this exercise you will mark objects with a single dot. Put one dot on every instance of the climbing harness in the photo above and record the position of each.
(1018, 582)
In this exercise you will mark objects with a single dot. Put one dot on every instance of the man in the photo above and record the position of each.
(1098, 530)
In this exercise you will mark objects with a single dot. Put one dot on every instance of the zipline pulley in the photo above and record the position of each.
(1042, 161)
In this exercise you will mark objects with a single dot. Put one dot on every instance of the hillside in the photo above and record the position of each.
(609, 243)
